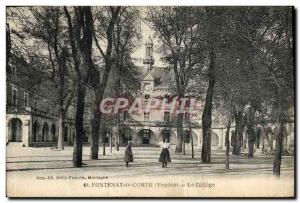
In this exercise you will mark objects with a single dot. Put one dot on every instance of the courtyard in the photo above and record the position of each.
(39, 160)
(47, 172)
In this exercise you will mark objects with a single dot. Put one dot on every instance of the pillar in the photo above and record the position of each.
(7, 130)
(200, 136)
(26, 132)
(221, 140)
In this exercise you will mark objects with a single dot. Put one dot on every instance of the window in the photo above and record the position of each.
(43, 107)
(106, 135)
(187, 116)
(157, 81)
(146, 116)
(147, 96)
(14, 70)
(14, 96)
(167, 116)
(26, 99)
(125, 115)
(35, 102)
(187, 136)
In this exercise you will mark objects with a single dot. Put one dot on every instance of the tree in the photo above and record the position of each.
(125, 39)
(80, 29)
(44, 26)
(99, 85)
(8, 44)
(177, 27)
(213, 24)
(268, 33)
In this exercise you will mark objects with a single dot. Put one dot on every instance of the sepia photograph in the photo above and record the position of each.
(150, 101)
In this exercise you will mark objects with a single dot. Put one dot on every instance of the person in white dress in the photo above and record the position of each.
(165, 154)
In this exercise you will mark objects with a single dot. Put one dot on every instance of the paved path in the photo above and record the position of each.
(24, 160)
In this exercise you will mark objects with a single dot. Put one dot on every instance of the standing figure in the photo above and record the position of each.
(165, 154)
(128, 154)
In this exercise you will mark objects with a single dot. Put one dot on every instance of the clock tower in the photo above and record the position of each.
(148, 60)
(148, 81)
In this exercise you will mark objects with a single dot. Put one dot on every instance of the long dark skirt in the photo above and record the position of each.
(165, 156)
(128, 155)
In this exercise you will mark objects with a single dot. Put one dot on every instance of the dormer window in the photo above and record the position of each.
(35, 102)
(14, 70)
(26, 104)
(14, 96)
(125, 115)
(157, 81)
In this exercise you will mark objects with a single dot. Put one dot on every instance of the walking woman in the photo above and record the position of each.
(165, 154)
(128, 154)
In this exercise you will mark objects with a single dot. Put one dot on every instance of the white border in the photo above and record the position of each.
(4, 3)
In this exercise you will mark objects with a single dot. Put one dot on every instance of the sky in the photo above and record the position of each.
(141, 51)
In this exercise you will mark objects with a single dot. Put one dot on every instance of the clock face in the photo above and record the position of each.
(148, 87)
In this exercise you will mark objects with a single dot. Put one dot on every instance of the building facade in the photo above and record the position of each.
(31, 110)
(32, 114)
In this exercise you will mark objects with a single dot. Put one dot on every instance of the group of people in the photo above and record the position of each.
(164, 157)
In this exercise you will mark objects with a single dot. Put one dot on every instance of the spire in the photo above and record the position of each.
(149, 41)
(149, 53)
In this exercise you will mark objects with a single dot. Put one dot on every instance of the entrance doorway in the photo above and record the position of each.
(146, 137)
(16, 130)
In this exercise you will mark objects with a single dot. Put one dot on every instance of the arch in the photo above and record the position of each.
(15, 130)
(105, 134)
(45, 132)
(168, 134)
(126, 134)
(260, 136)
(86, 133)
(35, 131)
(188, 137)
(214, 139)
(146, 137)
(269, 132)
(53, 133)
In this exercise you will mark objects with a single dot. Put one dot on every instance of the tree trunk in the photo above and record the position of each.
(183, 145)
(103, 140)
(110, 142)
(250, 131)
(77, 153)
(278, 151)
(100, 88)
(8, 44)
(238, 132)
(103, 152)
(179, 132)
(227, 144)
(95, 135)
(257, 136)
(206, 148)
(192, 143)
(251, 140)
(61, 129)
(206, 115)
(250, 149)
(117, 138)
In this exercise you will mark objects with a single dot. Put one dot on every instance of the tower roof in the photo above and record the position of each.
(149, 40)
